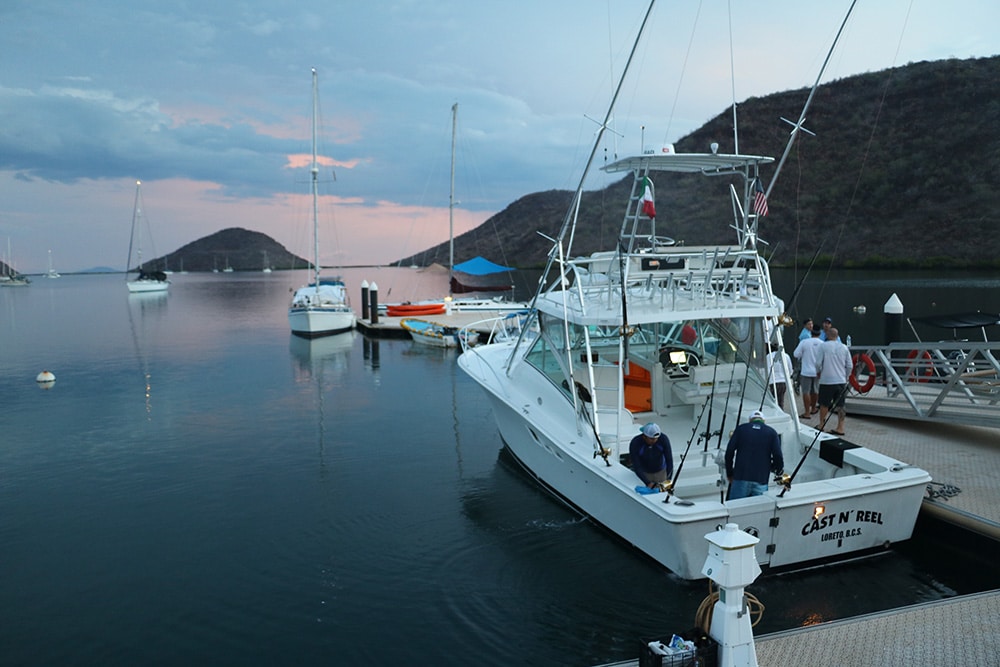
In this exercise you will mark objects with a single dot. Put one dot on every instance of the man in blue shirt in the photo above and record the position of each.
(753, 451)
(650, 455)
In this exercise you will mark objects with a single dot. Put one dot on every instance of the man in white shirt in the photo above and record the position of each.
(834, 367)
(806, 352)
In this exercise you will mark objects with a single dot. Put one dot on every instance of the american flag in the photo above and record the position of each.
(759, 199)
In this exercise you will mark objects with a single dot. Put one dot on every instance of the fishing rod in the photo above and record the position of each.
(585, 398)
(669, 486)
(784, 318)
(711, 406)
(570, 215)
(786, 480)
(625, 332)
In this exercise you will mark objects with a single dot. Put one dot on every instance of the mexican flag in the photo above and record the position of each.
(648, 208)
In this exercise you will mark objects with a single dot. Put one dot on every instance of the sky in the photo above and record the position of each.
(209, 104)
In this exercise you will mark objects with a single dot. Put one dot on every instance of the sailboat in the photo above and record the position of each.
(52, 273)
(146, 281)
(653, 334)
(473, 277)
(10, 276)
(319, 308)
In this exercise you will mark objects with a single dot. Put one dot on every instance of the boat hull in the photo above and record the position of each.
(313, 322)
(861, 512)
(136, 286)
(434, 334)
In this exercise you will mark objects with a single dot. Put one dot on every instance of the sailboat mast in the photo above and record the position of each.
(136, 214)
(315, 185)
(451, 199)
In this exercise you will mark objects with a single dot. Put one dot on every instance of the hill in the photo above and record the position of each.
(241, 249)
(902, 172)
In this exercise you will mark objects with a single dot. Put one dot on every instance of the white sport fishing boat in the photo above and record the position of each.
(655, 331)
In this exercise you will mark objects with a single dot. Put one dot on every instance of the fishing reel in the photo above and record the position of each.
(785, 320)
(783, 479)
(666, 486)
(603, 452)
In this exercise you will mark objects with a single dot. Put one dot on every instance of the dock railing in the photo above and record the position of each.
(957, 382)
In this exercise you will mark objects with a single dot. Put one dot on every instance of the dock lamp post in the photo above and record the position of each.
(732, 565)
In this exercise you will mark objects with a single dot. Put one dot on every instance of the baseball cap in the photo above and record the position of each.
(651, 430)
(756, 414)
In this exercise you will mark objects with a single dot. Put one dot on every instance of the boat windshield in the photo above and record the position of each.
(560, 353)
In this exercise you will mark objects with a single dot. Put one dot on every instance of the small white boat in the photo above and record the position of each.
(146, 281)
(438, 335)
(320, 308)
(52, 273)
(657, 331)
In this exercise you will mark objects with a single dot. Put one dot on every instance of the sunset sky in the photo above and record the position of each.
(209, 103)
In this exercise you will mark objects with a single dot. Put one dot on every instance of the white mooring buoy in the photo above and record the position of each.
(45, 379)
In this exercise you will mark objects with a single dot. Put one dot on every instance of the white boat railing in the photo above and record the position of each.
(957, 382)
(690, 280)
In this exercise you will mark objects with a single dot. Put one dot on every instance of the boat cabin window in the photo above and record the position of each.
(548, 352)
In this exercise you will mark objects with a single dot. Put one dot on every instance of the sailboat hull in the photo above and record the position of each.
(316, 322)
(135, 286)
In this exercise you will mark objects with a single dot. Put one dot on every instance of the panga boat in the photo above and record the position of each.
(657, 331)
(438, 335)
(320, 308)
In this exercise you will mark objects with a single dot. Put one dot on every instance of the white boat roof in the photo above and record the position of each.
(707, 163)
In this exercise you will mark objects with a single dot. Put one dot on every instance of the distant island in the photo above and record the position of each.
(235, 248)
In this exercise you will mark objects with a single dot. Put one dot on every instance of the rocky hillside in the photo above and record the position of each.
(902, 172)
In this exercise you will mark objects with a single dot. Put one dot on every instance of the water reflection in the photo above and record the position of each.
(148, 309)
(319, 363)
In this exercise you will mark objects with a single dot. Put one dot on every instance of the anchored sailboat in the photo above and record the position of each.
(146, 281)
(319, 308)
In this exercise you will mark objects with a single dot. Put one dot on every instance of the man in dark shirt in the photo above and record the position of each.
(756, 448)
(650, 455)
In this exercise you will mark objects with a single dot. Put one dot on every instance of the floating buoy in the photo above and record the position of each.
(45, 379)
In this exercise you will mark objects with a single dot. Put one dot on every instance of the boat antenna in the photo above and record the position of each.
(570, 215)
(732, 78)
(802, 116)
(451, 200)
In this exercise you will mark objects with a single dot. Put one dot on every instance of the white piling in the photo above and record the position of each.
(732, 565)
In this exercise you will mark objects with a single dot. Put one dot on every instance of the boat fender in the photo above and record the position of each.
(866, 361)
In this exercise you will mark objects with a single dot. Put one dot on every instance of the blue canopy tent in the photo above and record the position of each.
(479, 275)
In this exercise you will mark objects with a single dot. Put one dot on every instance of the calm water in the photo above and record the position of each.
(201, 487)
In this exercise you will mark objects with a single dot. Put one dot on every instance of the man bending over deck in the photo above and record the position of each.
(651, 457)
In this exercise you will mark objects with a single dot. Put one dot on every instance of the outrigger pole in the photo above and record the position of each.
(570, 214)
(802, 116)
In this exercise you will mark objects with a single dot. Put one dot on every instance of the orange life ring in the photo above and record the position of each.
(866, 361)
(930, 364)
